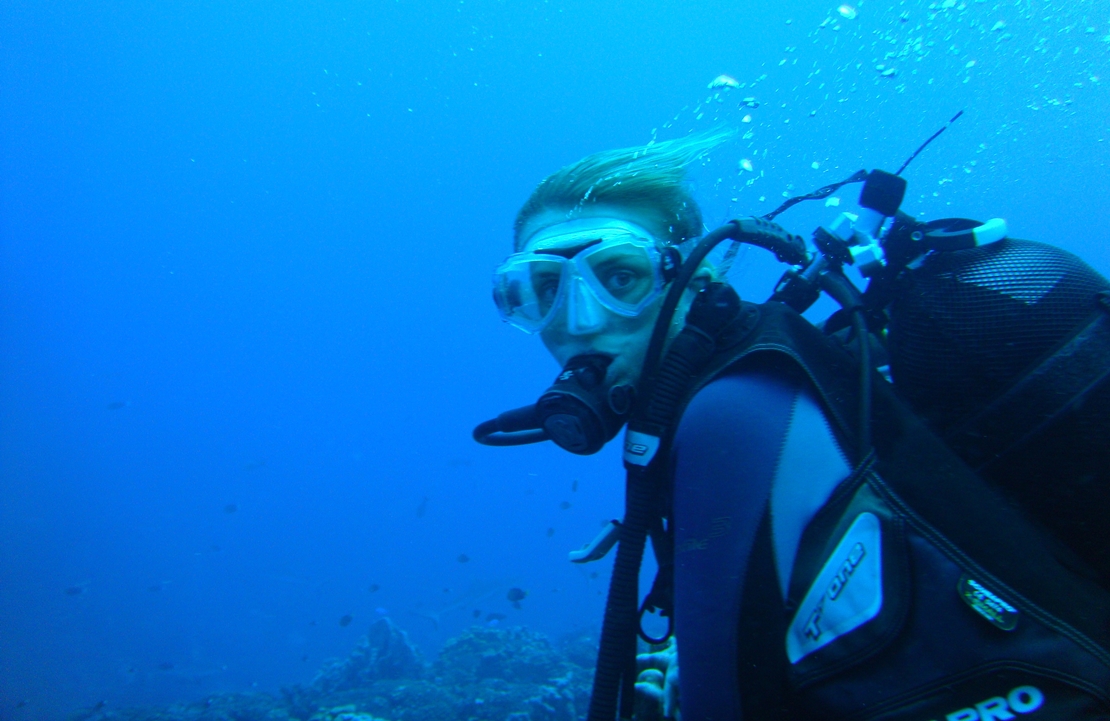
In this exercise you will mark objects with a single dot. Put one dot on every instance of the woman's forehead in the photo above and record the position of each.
(558, 229)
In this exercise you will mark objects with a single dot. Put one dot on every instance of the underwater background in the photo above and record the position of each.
(245, 316)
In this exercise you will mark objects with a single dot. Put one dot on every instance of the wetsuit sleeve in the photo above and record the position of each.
(748, 441)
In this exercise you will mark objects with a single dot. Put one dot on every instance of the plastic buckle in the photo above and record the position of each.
(868, 259)
(842, 227)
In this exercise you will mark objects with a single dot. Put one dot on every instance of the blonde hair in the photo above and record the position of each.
(650, 178)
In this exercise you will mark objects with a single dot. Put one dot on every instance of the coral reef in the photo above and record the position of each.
(484, 674)
(515, 655)
(385, 652)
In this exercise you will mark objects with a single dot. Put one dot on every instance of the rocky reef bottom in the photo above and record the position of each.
(484, 674)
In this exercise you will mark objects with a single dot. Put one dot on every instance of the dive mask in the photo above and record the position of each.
(583, 263)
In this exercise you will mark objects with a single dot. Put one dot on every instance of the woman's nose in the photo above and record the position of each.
(584, 312)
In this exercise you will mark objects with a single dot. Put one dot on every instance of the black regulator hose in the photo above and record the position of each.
(849, 298)
(788, 248)
(664, 381)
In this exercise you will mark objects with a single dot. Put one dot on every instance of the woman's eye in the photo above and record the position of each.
(620, 279)
(546, 290)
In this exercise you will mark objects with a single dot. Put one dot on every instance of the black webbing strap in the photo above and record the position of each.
(661, 596)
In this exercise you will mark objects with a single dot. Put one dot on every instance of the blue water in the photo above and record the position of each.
(245, 325)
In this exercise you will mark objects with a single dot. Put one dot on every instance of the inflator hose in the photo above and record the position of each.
(691, 350)
(615, 675)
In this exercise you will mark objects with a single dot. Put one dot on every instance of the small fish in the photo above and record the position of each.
(304, 658)
(231, 508)
(381, 611)
(477, 613)
(75, 590)
(550, 532)
(564, 505)
(463, 558)
(422, 508)
(593, 574)
(22, 703)
(495, 616)
(165, 666)
(311, 623)
(515, 596)
(574, 486)
(254, 465)
(374, 588)
(723, 81)
(155, 588)
(116, 405)
(345, 620)
(214, 548)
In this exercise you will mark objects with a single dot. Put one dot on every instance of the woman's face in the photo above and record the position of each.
(587, 326)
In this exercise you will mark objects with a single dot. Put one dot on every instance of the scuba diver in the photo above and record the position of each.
(898, 513)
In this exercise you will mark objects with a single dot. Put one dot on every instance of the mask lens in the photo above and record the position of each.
(546, 279)
(623, 275)
(527, 288)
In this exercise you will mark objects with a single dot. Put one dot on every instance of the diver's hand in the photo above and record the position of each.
(657, 684)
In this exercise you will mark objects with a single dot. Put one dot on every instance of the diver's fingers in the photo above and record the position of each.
(651, 691)
(660, 660)
(670, 693)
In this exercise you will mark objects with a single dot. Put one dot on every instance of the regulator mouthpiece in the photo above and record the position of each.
(580, 412)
